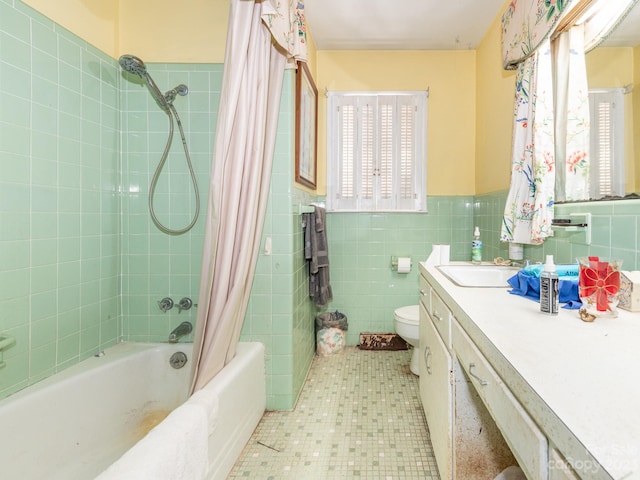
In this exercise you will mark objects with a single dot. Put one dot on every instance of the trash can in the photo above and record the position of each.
(330, 328)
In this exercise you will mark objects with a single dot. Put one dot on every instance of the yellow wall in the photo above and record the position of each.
(189, 31)
(95, 21)
(450, 77)
(494, 121)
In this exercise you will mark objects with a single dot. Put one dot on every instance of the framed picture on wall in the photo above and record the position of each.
(306, 127)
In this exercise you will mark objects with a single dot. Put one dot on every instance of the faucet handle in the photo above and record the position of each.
(184, 304)
(165, 304)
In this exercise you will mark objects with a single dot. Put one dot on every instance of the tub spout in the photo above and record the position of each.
(180, 331)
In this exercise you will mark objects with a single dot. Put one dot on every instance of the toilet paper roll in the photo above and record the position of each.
(516, 252)
(445, 253)
(434, 257)
(404, 264)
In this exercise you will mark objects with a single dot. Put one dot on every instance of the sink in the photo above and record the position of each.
(466, 275)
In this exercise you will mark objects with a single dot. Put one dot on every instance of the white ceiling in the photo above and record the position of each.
(400, 24)
(417, 24)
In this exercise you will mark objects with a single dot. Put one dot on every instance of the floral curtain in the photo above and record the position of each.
(286, 22)
(572, 116)
(526, 25)
(529, 208)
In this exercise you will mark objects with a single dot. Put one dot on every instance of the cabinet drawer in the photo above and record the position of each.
(425, 293)
(559, 468)
(525, 439)
(441, 316)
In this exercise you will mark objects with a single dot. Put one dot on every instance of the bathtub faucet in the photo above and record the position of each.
(180, 331)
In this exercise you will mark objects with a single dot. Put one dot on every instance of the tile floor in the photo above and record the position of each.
(358, 416)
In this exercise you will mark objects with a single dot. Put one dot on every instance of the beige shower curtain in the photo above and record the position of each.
(262, 36)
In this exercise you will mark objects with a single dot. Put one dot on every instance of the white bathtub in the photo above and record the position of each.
(75, 424)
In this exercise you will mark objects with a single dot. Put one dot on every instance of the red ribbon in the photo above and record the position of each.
(601, 279)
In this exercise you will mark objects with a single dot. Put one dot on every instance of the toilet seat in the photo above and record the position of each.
(409, 314)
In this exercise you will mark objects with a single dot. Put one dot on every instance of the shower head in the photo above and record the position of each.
(135, 66)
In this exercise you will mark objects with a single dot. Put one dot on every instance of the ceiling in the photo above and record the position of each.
(400, 24)
(417, 24)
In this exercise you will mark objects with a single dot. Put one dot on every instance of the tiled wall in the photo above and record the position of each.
(615, 231)
(82, 266)
(156, 265)
(365, 287)
(59, 197)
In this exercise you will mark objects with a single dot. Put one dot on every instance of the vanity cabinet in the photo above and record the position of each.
(436, 391)
(466, 441)
(523, 436)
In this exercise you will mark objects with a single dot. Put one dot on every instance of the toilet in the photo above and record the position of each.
(406, 321)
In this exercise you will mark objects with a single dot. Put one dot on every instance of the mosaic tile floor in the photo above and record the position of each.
(359, 416)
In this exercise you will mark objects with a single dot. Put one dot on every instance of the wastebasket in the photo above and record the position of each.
(330, 328)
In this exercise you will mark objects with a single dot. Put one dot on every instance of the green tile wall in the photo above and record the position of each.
(365, 287)
(156, 265)
(81, 264)
(616, 231)
(59, 197)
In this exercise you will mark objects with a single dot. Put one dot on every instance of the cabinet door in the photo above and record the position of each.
(436, 391)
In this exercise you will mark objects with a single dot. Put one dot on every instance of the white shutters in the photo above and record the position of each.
(607, 142)
(376, 146)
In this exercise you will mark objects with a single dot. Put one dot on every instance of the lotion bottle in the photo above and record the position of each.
(476, 247)
(549, 288)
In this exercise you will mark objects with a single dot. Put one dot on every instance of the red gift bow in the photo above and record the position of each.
(599, 278)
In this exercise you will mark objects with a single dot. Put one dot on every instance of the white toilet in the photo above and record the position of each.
(406, 321)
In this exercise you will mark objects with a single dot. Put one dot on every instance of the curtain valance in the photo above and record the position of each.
(525, 25)
(285, 20)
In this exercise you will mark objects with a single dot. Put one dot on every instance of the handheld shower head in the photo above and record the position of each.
(135, 66)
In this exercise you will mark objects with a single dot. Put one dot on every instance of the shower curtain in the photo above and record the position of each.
(262, 37)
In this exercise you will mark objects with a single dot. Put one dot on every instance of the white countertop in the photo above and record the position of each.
(579, 381)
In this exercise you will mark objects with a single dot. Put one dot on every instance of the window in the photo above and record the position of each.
(377, 151)
(607, 142)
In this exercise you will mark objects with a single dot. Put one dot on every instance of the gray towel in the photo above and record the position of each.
(316, 250)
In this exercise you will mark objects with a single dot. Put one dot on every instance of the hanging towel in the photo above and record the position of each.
(316, 251)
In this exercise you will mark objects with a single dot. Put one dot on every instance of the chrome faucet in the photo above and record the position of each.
(180, 331)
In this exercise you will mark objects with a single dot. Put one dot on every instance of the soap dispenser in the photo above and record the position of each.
(476, 247)
(549, 287)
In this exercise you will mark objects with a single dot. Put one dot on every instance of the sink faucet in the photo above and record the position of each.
(180, 331)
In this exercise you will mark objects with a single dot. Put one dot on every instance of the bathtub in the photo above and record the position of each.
(90, 417)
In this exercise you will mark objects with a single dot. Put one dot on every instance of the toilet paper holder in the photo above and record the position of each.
(394, 261)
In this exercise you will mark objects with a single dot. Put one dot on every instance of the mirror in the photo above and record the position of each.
(615, 63)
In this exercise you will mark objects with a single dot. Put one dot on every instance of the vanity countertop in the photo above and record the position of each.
(579, 381)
